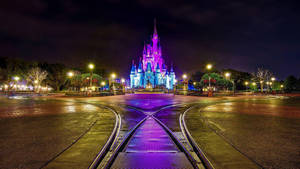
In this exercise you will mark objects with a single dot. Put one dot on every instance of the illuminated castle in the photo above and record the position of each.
(152, 71)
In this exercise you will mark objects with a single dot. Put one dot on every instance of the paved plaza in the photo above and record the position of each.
(70, 132)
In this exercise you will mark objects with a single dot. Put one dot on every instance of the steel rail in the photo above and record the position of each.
(110, 141)
(131, 133)
(122, 145)
(177, 143)
(191, 141)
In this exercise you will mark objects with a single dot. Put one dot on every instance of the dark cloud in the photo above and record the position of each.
(236, 34)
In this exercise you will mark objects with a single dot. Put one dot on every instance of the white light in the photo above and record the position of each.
(91, 66)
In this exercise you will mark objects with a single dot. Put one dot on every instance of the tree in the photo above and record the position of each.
(57, 74)
(12, 67)
(216, 80)
(238, 77)
(290, 84)
(96, 79)
(262, 75)
(36, 76)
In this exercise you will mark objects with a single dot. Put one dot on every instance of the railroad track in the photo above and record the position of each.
(151, 144)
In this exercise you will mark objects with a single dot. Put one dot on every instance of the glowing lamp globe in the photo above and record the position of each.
(227, 74)
(70, 74)
(208, 66)
(91, 66)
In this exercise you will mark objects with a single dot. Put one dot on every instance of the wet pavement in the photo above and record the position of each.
(34, 132)
(267, 131)
(65, 130)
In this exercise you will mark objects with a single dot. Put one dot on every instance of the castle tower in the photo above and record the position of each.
(132, 75)
(151, 69)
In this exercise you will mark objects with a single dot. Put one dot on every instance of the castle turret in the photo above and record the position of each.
(140, 68)
(158, 76)
(132, 74)
(149, 69)
(172, 77)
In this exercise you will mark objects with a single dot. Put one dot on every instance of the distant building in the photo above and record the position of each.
(152, 71)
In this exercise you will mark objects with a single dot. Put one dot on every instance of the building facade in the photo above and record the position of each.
(151, 70)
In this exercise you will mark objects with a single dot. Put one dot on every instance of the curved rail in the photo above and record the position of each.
(191, 141)
(178, 143)
(122, 145)
(110, 141)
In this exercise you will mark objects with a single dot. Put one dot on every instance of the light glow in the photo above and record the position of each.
(70, 74)
(209, 66)
(16, 78)
(91, 66)
(227, 74)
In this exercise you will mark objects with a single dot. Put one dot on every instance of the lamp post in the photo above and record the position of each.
(227, 76)
(268, 85)
(261, 85)
(246, 84)
(253, 84)
(70, 75)
(16, 78)
(209, 67)
(271, 83)
(113, 76)
(281, 87)
(123, 84)
(91, 66)
(184, 77)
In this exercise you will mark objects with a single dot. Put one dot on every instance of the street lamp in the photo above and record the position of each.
(227, 76)
(209, 67)
(123, 84)
(184, 76)
(102, 84)
(16, 78)
(273, 79)
(91, 66)
(70, 74)
(246, 83)
(113, 76)
(122, 80)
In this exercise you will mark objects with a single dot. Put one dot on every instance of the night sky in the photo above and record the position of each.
(242, 35)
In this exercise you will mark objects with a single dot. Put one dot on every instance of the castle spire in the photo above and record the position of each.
(133, 67)
(155, 30)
